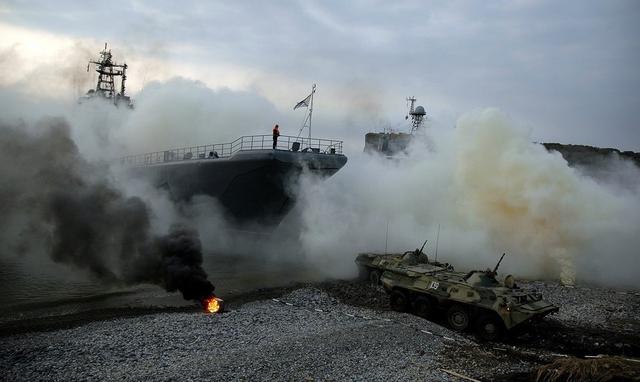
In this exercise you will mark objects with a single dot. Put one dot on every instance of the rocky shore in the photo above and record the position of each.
(341, 330)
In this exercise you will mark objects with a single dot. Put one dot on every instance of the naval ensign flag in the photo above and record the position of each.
(304, 102)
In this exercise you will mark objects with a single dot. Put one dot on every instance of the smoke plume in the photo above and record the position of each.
(488, 187)
(491, 190)
(55, 202)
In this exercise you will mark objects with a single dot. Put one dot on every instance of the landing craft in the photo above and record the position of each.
(250, 177)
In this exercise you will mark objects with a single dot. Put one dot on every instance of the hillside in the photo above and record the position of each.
(580, 155)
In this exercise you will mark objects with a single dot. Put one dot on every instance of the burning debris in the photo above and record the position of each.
(59, 204)
(213, 304)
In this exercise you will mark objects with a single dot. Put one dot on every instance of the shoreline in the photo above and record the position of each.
(328, 330)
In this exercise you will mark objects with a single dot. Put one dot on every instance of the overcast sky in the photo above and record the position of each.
(568, 69)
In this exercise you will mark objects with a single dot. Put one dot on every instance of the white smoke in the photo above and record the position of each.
(491, 190)
(172, 114)
(484, 183)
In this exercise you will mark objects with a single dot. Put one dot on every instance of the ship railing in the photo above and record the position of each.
(244, 143)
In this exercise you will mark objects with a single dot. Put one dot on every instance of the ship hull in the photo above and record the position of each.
(254, 187)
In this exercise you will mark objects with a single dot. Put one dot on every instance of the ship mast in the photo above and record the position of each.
(107, 71)
(313, 91)
(307, 102)
(413, 102)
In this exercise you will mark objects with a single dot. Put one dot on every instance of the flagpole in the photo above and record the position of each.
(313, 90)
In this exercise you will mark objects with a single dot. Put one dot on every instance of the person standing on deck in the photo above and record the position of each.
(276, 134)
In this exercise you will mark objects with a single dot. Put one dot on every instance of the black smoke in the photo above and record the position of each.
(55, 202)
(174, 261)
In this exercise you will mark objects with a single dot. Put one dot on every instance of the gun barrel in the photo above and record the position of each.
(497, 265)
(425, 243)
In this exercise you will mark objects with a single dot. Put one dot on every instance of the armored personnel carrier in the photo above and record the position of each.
(372, 265)
(473, 300)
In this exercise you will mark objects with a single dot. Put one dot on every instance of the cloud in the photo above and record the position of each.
(567, 68)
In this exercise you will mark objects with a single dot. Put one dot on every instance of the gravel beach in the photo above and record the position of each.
(339, 330)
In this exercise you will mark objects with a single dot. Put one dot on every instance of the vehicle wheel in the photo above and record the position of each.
(374, 277)
(458, 317)
(489, 328)
(399, 301)
(423, 307)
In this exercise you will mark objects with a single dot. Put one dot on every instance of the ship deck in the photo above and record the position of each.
(288, 147)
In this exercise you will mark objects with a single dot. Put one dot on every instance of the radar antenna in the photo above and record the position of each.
(418, 115)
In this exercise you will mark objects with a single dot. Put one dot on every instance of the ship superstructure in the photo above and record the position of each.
(390, 142)
(109, 73)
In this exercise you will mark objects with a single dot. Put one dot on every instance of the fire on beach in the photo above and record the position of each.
(213, 304)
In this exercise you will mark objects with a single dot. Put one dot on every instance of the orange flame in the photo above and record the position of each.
(212, 304)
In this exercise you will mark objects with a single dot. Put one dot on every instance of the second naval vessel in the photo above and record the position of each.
(390, 142)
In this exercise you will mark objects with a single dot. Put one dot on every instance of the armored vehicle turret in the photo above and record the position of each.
(473, 300)
(372, 265)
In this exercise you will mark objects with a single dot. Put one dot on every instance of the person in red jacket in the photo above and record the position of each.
(276, 134)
